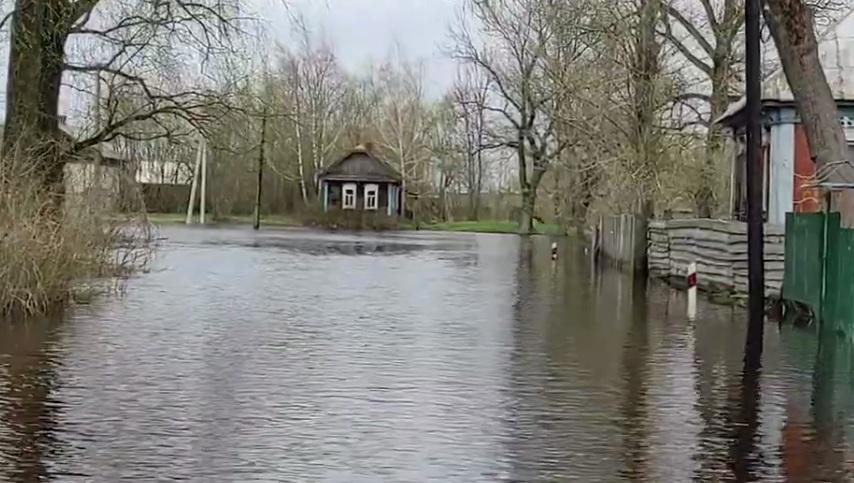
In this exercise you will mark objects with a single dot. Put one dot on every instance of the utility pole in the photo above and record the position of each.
(260, 170)
(755, 257)
(192, 203)
(204, 147)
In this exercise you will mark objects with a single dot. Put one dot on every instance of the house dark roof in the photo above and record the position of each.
(360, 165)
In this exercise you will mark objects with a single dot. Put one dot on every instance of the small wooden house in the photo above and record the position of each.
(361, 181)
(787, 164)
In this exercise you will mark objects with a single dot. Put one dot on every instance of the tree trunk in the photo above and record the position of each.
(526, 213)
(403, 186)
(529, 202)
(645, 77)
(706, 202)
(478, 185)
(300, 157)
(791, 24)
(36, 55)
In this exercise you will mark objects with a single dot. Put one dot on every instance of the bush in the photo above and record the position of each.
(350, 220)
(49, 254)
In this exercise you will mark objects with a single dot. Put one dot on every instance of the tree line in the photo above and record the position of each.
(571, 109)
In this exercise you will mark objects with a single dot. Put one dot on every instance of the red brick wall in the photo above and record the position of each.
(806, 200)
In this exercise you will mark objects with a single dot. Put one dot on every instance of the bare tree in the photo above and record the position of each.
(708, 40)
(519, 32)
(318, 91)
(403, 125)
(469, 98)
(122, 41)
(448, 152)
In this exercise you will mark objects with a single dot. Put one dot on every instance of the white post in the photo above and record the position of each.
(692, 291)
(554, 250)
(192, 203)
(204, 149)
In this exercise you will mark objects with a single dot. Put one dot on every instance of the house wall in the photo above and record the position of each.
(805, 200)
(791, 168)
(335, 196)
(782, 172)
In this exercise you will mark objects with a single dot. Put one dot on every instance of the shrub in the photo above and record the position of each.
(50, 253)
(350, 220)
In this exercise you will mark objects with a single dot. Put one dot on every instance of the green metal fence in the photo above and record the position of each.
(804, 273)
(819, 269)
(838, 304)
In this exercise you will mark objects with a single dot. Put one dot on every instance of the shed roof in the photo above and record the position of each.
(836, 53)
(360, 164)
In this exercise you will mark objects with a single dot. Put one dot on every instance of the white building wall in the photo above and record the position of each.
(782, 175)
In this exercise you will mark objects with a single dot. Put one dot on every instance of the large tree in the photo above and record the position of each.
(793, 27)
(124, 46)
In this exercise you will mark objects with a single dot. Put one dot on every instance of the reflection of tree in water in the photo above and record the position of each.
(746, 460)
(547, 425)
(817, 452)
(563, 372)
(526, 371)
(634, 417)
(716, 365)
(26, 410)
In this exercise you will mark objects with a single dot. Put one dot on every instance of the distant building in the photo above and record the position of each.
(163, 172)
(93, 176)
(165, 184)
(360, 181)
(787, 164)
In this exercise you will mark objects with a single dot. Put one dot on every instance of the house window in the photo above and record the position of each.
(371, 191)
(349, 196)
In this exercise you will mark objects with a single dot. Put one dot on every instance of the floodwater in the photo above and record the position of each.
(305, 356)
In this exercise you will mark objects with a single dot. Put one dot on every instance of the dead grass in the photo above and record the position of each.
(50, 254)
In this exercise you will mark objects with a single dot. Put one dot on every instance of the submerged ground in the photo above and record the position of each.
(306, 356)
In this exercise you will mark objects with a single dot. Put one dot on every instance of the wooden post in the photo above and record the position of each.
(257, 223)
(204, 148)
(192, 202)
(755, 179)
(324, 188)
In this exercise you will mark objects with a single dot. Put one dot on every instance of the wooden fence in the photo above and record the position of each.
(720, 250)
(623, 240)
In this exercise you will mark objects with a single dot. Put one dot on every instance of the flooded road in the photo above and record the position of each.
(303, 356)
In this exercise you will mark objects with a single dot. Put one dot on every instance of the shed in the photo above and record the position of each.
(361, 181)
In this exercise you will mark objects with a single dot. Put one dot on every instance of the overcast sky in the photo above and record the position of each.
(366, 31)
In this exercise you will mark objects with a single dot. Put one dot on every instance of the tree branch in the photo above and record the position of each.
(692, 30)
(686, 52)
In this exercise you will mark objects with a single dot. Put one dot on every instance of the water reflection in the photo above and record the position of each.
(302, 356)
(28, 413)
(634, 404)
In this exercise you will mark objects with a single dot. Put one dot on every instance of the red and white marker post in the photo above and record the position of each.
(692, 291)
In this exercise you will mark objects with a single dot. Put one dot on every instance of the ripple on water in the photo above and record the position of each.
(306, 356)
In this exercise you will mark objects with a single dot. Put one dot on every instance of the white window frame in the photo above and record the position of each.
(372, 192)
(351, 205)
